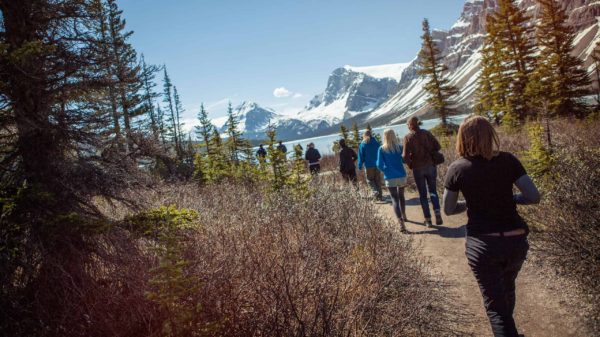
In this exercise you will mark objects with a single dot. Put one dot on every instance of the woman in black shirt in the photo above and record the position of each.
(496, 244)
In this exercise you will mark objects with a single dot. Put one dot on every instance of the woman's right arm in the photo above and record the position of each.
(529, 193)
(451, 203)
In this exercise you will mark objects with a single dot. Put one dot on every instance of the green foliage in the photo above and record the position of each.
(279, 172)
(298, 179)
(538, 159)
(216, 167)
(236, 145)
(356, 138)
(344, 133)
(507, 61)
(560, 80)
(438, 87)
(172, 287)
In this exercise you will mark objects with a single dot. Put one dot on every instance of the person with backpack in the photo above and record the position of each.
(419, 146)
(496, 241)
(367, 157)
(389, 161)
(313, 157)
(347, 166)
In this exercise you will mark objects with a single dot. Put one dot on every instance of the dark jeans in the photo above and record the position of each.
(374, 179)
(496, 262)
(398, 200)
(314, 169)
(350, 177)
(425, 178)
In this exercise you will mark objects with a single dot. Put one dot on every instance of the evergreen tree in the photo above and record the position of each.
(128, 82)
(596, 59)
(355, 135)
(298, 180)
(236, 144)
(204, 130)
(438, 87)
(344, 132)
(507, 63)
(216, 164)
(171, 127)
(279, 174)
(178, 112)
(149, 95)
(160, 121)
(565, 81)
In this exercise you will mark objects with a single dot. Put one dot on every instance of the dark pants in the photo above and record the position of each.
(425, 179)
(314, 168)
(374, 179)
(350, 176)
(398, 200)
(496, 262)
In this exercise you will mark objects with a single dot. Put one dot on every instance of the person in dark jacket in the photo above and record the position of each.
(347, 159)
(418, 146)
(282, 147)
(496, 242)
(313, 157)
(261, 153)
(367, 157)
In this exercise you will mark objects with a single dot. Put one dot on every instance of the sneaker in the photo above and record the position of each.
(428, 223)
(438, 218)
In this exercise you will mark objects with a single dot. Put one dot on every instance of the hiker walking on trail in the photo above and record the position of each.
(389, 161)
(367, 157)
(261, 153)
(313, 157)
(496, 244)
(347, 166)
(282, 148)
(419, 145)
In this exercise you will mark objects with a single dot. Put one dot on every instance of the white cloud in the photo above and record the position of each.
(297, 95)
(282, 92)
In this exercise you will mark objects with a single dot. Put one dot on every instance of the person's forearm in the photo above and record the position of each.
(451, 203)
(529, 194)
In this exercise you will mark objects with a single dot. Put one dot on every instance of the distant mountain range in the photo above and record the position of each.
(389, 94)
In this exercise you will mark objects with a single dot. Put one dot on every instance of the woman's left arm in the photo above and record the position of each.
(451, 203)
(529, 193)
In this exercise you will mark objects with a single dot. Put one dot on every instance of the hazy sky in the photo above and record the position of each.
(220, 50)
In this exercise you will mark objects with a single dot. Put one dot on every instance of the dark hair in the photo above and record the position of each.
(342, 142)
(413, 123)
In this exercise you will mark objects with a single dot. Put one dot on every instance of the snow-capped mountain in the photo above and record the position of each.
(461, 46)
(351, 91)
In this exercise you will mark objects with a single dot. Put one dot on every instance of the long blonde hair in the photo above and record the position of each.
(477, 137)
(390, 141)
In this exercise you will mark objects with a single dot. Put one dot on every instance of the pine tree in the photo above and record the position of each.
(204, 130)
(566, 81)
(438, 87)
(507, 63)
(596, 59)
(298, 180)
(178, 112)
(355, 135)
(279, 172)
(344, 132)
(236, 144)
(171, 127)
(149, 95)
(160, 124)
(216, 164)
(127, 70)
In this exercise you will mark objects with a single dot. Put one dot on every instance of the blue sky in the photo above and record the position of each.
(220, 50)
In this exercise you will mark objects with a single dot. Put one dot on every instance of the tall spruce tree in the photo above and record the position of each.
(438, 87)
(564, 81)
(171, 127)
(204, 129)
(179, 110)
(507, 63)
(355, 135)
(127, 70)
(236, 144)
(279, 174)
(149, 95)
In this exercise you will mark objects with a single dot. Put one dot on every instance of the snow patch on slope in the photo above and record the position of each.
(394, 70)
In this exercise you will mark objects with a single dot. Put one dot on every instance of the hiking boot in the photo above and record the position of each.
(404, 217)
(438, 218)
(428, 223)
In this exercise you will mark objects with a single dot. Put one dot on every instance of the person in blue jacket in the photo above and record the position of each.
(389, 161)
(367, 157)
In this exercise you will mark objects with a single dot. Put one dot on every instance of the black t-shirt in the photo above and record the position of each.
(487, 186)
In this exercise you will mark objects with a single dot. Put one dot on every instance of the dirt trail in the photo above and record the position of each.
(539, 312)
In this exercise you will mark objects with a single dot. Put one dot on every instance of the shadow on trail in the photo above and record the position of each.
(413, 202)
(445, 232)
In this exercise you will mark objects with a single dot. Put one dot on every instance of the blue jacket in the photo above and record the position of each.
(391, 164)
(367, 153)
